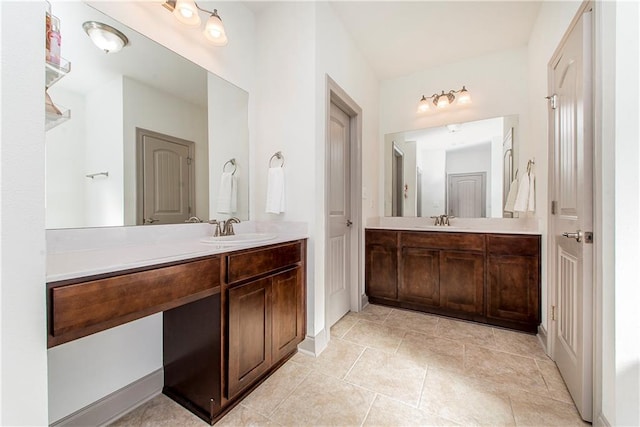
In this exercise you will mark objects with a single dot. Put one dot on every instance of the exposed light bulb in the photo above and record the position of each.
(186, 12)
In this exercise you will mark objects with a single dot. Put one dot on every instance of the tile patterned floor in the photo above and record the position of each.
(389, 367)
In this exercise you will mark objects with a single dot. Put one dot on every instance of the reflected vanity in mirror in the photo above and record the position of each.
(461, 169)
(149, 135)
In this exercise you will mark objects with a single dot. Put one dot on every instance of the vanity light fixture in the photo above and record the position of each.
(186, 11)
(443, 99)
(105, 36)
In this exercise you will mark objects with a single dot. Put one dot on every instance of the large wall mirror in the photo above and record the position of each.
(461, 169)
(133, 113)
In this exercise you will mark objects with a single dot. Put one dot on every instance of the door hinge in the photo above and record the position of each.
(554, 101)
(553, 312)
(189, 160)
(554, 207)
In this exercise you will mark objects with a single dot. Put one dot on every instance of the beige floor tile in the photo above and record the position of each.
(326, 401)
(466, 332)
(389, 374)
(276, 388)
(373, 313)
(505, 369)
(532, 410)
(555, 384)
(451, 395)
(519, 343)
(335, 360)
(241, 416)
(375, 335)
(159, 411)
(343, 325)
(389, 412)
(412, 320)
(433, 351)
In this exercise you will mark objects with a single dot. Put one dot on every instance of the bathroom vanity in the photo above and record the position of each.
(229, 318)
(485, 277)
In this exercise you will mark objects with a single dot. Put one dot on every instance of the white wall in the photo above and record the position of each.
(151, 109)
(433, 182)
(553, 20)
(65, 149)
(104, 196)
(23, 359)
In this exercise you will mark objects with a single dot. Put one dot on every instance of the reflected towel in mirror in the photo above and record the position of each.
(526, 199)
(511, 197)
(275, 190)
(228, 193)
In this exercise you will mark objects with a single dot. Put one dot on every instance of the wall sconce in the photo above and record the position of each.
(186, 11)
(443, 99)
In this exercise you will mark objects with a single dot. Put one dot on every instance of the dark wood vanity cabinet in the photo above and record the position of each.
(266, 312)
(489, 278)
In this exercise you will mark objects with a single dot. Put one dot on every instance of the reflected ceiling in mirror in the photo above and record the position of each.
(195, 123)
(461, 169)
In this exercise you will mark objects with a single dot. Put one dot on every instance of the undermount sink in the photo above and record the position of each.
(240, 239)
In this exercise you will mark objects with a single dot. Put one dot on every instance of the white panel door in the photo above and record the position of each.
(339, 200)
(167, 180)
(572, 186)
(467, 195)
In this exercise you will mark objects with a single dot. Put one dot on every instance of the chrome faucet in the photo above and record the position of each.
(217, 231)
(194, 219)
(442, 220)
(227, 227)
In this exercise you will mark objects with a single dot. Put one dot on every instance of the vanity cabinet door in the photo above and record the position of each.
(381, 259)
(287, 299)
(513, 291)
(462, 282)
(420, 276)
(249, 334)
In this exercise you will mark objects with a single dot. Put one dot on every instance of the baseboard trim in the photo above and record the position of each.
(601, 421)
(542, 337)
(364, 301)
(313, 346)
(116, 404)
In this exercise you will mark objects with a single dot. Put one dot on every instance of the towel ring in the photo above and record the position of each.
(278, 155)
(231, 162)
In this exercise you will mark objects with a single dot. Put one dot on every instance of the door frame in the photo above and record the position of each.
(335, 94)
(552, 289)
(139, 197)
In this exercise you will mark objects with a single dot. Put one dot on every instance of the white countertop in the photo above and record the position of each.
(458, 225)
(71, 253)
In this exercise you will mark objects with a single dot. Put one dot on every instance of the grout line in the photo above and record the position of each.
(354, 364)
(424, 383)
(273, 411)
(513, 414)
(369, 410)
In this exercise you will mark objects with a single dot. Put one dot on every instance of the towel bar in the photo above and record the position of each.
(231, 162)
(278, 155)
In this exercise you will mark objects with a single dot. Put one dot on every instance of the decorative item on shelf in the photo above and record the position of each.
(186, 11)
(443, 99)
(105, 37)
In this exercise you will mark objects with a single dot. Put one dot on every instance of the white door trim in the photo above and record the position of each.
(335, 94)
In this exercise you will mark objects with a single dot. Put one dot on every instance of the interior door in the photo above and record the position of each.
(339, 214)
(467, 195)
(572, 206)
(166, 175)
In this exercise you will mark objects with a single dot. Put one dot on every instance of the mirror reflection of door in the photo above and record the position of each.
(397, 177)
(467, 194)
(165, 178)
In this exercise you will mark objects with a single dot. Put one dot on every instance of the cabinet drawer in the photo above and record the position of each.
(84, 308)
(245, 265)
(384, 238)
(513, 244)
(444, 240)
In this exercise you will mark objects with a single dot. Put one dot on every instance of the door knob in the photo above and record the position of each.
(349, 223)
(577, 235)
(150, 220)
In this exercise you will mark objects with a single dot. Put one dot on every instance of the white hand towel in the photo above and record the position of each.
(228, 193)
(511, 196)
(275, 190)
(522, 199)
(531, 205)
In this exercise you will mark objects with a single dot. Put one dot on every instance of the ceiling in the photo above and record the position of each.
(401, 37)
